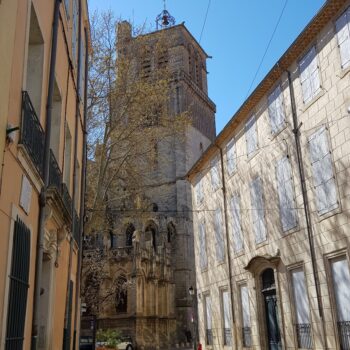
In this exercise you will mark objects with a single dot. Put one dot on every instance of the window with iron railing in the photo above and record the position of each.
(303, 332)
(344, 334)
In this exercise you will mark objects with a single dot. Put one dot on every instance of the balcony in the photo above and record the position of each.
(344, 335)
(76, 226)
(304, 335)
(32, 134)
(55, 175)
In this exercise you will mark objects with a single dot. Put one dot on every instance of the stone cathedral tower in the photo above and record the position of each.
(156, 251)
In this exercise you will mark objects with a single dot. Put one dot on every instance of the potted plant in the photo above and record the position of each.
(107, 339)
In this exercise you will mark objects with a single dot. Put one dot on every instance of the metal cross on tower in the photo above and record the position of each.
(164, 19)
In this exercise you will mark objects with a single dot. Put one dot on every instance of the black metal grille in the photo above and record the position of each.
(344, 335)
(55, 175)
(227, 336)
(209, 337)
(67, 200)
(304, 335)
(247, 336)
(32, 134)
(17, 304)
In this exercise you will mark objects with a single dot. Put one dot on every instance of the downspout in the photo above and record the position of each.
(82, 193)
(228, 252)
(66, 331)
(42, 197)
(296, 132)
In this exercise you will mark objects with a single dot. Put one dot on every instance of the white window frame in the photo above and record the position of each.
(258, 214)
(326, 159)
(283, 196)
(215, 173)
(276, 110)
(309, 72)
(236, 222)
(251, 129)
(343, 38)
(219, 235)
(231, 156)
(203, 255)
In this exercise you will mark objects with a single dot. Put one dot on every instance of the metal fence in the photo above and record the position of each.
(227, 336)
(304, 335)
(209, 337)
(247, 336)
(344, 334)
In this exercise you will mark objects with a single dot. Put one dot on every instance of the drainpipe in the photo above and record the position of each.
(228, 252)
(42, 197)
(66, 331)
(82, 193)
(296, 132)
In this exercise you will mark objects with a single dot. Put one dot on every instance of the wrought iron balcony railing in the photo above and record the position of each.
(76, 226)
(67, 200)
(32, 133)
(209, 336)
(304, 335)
(227, 336)
(344, 334)
(247, 336)
(55, 175)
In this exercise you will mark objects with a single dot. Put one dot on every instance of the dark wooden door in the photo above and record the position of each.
(273, 332)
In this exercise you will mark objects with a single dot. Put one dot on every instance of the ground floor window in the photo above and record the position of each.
(246, 329)
(208, 320)
(341, 287)
(301, 306)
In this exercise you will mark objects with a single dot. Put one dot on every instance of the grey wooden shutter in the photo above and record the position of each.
(215, 174)
(219, 235)
(231, 156)
(288, 214)
(276, 110)
(208, 312)
(341, 283)
(258, 219)
(301, 300)
(227, 309)
(322, 170)
(343, 35)
(236, 224)
(251, 135)
(245, 306)
(309, 75)
(203, 246)
(18, 291)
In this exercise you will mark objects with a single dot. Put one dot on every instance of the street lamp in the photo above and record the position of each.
(193, 294)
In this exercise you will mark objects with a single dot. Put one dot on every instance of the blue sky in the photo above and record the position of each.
(235, 35)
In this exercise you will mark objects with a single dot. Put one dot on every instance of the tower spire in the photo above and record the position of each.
(164, 19)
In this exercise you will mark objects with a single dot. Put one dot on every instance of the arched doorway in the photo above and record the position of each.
(271, 311)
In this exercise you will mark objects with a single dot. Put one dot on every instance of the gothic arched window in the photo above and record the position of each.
(121, 295)
(151, 233)
(128, 235)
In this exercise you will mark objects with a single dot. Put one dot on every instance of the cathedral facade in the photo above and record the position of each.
(151, 250)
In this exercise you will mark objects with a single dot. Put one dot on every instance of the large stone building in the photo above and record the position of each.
(42, 68)
(152, 250)
(271, 199)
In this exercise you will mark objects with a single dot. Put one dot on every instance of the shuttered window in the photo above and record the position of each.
(215, 173)
(302, 310)
(18, 291)
(66, 6)
(246, 329)
(231, 156)
(82, 68)
(341, 288)
(288, 214)
(199, 191)
(68, 331)
(236, 224)
(208, 320)
(75, 29)
(219, 235)
(343, 35)
(258, 219)
(203, 258)
(276, 110)
(251, 135)
(226, 308)
(309, 75)
(322, 170)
